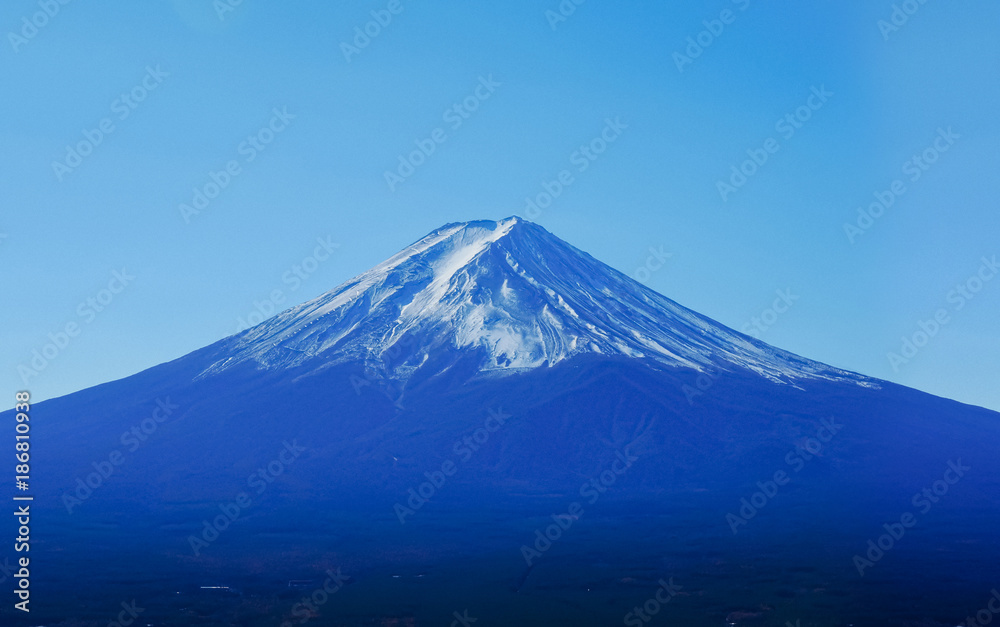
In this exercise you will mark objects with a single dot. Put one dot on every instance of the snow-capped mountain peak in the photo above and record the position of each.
(513, 296)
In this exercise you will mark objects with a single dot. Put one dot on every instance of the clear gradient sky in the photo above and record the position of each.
(212, 79)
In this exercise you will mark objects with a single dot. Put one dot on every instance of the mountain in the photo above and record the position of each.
(512, 293)
(493, 422)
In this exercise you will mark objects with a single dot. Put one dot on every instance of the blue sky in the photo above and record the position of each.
(318, 168)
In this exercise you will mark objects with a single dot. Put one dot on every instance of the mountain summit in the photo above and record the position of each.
(511, 296)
